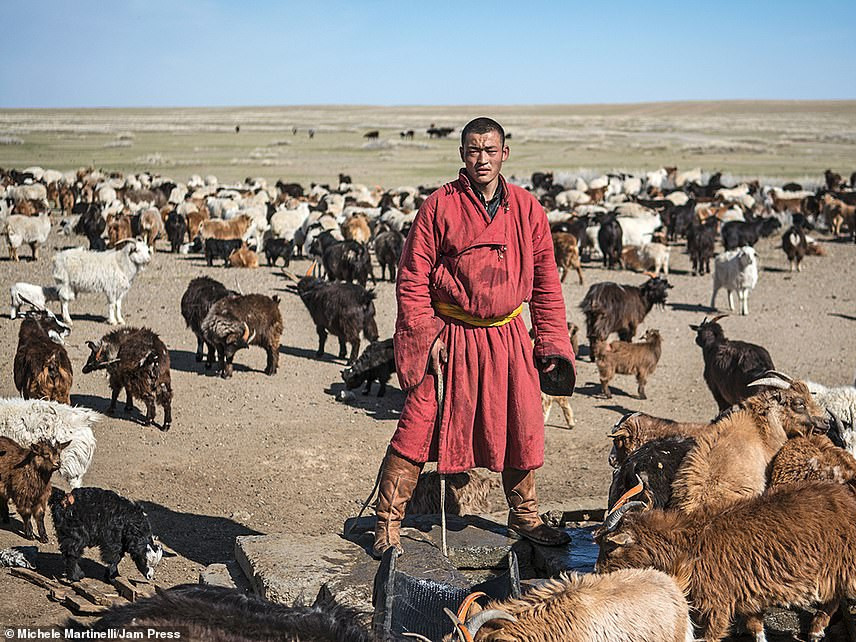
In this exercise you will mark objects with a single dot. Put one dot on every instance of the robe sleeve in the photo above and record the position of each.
(547, 305)
(417, 325)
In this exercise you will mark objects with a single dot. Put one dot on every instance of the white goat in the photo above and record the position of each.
(112, 272)
(638, 229)
(26, 421)
(841, 402)
(736, 271)
(284, 223)
(36, 294)
(31, 230)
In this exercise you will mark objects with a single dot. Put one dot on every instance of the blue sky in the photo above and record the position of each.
(94, 53)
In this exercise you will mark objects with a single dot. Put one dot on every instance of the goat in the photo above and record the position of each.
(243, 257)
(118, 230)
(609, 239)
(36, 295)
(795, 245)
(376, 363)
(91, 224)
(567, 254)
(176, 229)
(621, 357)
(737, 234)
(220, 249)
(840, 402)
(276, 248)
(801, 538)
(736, 271)
(348, 261)
(234, 228)
(31, 230)
(811, 458)
(655, 464)
(627, 605)
(729, 366)
(701, 239)
(610, 307)
(89, 517)
(25, 478)
(239, 321)
(78, 270)
(635, 429)
(388, 246)
(201, 293)
(152, 226)
(467, 493)
(42, 369)
(650, 257)
(356, 229)
(137, 361)
(837, 213)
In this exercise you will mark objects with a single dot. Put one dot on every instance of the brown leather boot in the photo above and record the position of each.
(523, 517)
(397, 481)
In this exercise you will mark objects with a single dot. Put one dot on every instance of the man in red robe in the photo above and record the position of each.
(478, 250)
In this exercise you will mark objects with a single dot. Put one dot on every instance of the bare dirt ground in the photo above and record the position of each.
(258, 454)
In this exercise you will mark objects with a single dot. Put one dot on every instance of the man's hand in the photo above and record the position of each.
(549, 364)
(439, 355)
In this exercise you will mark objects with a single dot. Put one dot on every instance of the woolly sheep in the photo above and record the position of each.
(27, 421)
(36, 294)
(736, 271)
(31, 230)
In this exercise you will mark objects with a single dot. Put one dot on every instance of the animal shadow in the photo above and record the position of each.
(102, 405)
(690, 307)
(621, 410)
(387, 407)
(846, 317)
(770, 268)
(305, 353)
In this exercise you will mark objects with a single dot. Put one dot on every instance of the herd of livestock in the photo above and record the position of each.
(719, 520)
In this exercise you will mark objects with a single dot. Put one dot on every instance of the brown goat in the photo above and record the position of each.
(782, 204)
(244, 257)
(152, 227)
(194, 221)
(622, 357)
(356, 228)
(467, 493)
(637, 429)
(234, 228)
(118, 229)
(729, 462)
(838, 212)
(25, 479)
(811, 458)
(567, 254)
(795, 546)
(42, 369)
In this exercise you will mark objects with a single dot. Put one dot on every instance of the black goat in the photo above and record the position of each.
(89, 517)
(576, 226)
(275, 248)
(376, 363)
(795, 244)
(220, 249)
(91, 224)
(730, 366)
(679, 218)
(176, 229)
(656, 464)
(739, 233)
(609, 238)
(610, 307)
(137, 361)
(295, 190)
(42, 369)
(342, 309)
(701, 240)
(201, 293)
(348, 261)
(388, 246)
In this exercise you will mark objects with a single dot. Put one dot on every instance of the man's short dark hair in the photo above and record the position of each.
(482, 125)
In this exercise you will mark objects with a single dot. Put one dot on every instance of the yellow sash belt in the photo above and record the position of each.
(456, 312)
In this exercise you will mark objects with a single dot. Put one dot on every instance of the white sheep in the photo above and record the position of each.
(27, 421)
(736, 271)
(35, 294)
(31, 230)
(841, 402)
(112, 272)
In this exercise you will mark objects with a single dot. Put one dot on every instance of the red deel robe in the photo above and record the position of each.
(454, 253)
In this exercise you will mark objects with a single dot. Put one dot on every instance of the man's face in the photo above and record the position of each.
(483, 155)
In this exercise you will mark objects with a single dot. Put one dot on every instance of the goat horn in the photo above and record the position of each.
(638, 488)
(246, 332)
(480, 619)
(461, 629)
(290, 275)
(780, 375)
(612, 520)
(238, 287)
(836, 434)
(775, 382)
(717, 318)
(415, 636)
(311, 268)
(28, 302)
(626, 417)
(465, 606)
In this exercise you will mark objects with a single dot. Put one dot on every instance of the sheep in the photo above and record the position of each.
(730, 460)
(29, 421)
(628, 605)
(388, 246)
(638, 229)
(467, 493)
(218, 614)
(243, 257)
(31, 230)
(801, 539)
(25, 478)
(376, 363)
(736, 271)
(342, 309)
(563, 401)
(138, 362)
(42, 369)
(621, 357)
(655, 464)
(88, 517)
(841, 403)
(567, 254)
(78, 270)
(635, 429)
(38, 295)
(650, 257)
(610, 307)
(811, 458)
(729, 366)
(284, 223)
(239, 321)
(201, 293)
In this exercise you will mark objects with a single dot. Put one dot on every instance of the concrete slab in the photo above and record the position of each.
(226, 574)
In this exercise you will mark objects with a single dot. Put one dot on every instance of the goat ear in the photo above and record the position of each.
(694, 328)
(619, 434)
(63, 445)
(620, 539)
(91, 345)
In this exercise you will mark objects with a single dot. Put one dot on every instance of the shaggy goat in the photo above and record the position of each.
(622, 357)
(656, 465)
(42, 369)
(567, 254)
(729, 366)
(811, 458)
(239, 321)
(36, 295)
(739, 233)
(138, 362)
(201, 293)
(78, 270)
(388, 246)
(376, 363)
(635, 429)
(610, 307)
(736, 271)
(701, 239)
(609, 239)
(276, 248)
(176, 229)
(91, 224)
(31, 230)
(89, 517)
(801, 539)
(630, 605)
(467, 493)
(25, 479)
(348, 261)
